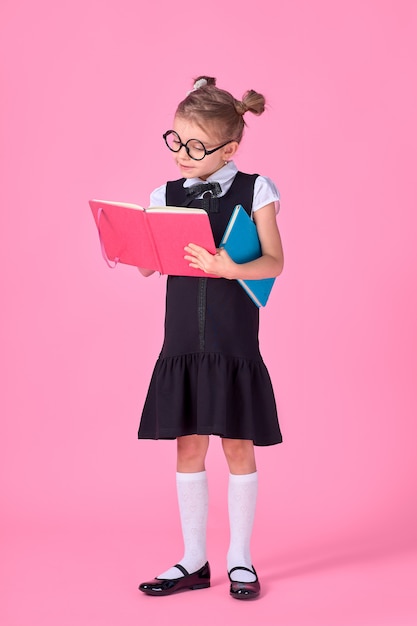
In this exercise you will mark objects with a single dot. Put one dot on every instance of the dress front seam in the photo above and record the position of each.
(202, 297)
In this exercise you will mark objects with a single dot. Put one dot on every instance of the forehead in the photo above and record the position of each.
(189, 129)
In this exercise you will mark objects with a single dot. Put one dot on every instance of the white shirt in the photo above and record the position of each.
(264, 191)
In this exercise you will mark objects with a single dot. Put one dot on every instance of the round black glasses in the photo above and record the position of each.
(195, 148)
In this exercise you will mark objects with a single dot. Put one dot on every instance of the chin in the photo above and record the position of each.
(187, 172)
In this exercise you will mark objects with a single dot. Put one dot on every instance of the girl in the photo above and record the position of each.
(210, 378)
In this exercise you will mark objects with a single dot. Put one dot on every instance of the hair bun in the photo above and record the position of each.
(208, 80)
(252, 101)
(240, 107)
(202, 81)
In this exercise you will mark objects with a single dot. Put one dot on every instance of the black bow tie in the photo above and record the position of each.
(199, 189)
(209, 191)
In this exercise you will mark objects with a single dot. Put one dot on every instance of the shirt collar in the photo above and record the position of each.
(224, 176)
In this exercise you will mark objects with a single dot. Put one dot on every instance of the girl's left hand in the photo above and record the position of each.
(219, 264)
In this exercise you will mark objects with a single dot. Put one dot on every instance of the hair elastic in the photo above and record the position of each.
(198, 83)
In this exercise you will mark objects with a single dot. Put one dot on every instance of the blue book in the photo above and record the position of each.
(241, 242)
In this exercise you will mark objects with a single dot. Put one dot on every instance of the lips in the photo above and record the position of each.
(185, 168)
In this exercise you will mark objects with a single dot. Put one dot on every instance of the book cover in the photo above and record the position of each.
(152, 238)
(241, 242)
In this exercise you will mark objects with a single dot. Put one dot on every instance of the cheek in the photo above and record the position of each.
(213, 159)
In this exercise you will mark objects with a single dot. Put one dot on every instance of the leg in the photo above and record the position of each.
(191, 453)
(240, 455)
(243, 487)
(192, 492)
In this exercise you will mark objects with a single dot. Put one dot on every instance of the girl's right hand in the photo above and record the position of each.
(145, 272)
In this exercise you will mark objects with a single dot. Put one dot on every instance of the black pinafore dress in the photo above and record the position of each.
(210, 378)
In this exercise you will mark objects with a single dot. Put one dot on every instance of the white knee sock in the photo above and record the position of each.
(243, 489)
(192, 491)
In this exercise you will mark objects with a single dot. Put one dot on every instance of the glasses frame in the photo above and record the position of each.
(187, 149)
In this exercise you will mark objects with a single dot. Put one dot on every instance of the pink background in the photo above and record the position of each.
(88, 512)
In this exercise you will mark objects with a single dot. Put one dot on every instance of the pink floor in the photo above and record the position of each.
(88, 576)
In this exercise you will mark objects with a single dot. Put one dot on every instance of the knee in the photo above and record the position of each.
(191, 452)
(240, 455)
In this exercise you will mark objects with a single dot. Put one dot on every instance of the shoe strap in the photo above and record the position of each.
(182, 569)
(246, 569)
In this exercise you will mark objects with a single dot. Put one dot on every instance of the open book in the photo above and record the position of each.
(151, 238)
(241, 242)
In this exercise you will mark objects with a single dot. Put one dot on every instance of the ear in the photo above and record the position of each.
(230, 150)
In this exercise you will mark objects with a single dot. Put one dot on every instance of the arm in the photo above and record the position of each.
(270, 264)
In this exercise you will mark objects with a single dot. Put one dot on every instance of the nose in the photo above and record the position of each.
(185, 150)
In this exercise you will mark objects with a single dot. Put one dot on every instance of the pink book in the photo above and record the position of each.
(152, 238)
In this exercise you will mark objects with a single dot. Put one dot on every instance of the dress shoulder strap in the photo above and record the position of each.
(175, 192)
(242, 190)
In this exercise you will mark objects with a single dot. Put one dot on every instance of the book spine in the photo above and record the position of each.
(229, 227)
(152, 240)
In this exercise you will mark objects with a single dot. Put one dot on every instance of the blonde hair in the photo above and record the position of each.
(207, 105)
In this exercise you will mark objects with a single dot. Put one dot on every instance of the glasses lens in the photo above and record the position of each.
(172, 140)
(196, 149)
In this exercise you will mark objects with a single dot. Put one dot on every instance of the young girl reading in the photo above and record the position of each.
(210, 378)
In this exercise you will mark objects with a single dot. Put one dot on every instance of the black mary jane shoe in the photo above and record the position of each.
(244, 591)
(165, 586)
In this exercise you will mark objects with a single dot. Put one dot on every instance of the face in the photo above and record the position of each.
(191, 168)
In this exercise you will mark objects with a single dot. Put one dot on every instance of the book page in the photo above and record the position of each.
(175, 209)
(128, 205)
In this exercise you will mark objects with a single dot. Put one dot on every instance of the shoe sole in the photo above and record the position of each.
(170, 593)
(252, 596)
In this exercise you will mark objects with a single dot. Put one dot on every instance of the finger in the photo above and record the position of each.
(195, 248)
